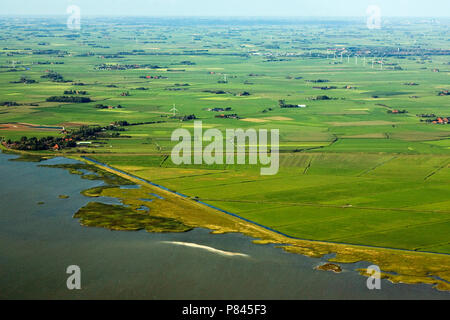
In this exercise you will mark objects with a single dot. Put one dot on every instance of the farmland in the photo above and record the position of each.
(353, 170)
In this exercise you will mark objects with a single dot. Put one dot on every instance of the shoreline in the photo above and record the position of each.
(429, 268)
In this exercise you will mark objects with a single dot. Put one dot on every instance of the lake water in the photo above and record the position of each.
(39, 241)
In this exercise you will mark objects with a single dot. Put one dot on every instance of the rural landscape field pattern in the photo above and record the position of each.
(362, 115)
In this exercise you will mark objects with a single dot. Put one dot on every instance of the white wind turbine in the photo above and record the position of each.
(174, 110)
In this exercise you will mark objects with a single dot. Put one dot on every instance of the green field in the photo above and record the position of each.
(350, 171)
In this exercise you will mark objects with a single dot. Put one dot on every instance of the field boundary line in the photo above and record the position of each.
(436, 171)
(377, 166)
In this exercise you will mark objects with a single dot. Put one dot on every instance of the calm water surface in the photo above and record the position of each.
(39, 241)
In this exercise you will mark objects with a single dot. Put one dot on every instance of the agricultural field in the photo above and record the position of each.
(366, 162)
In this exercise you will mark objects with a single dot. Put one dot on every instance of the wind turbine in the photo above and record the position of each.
(174, 110)
(348, 58)
(356, 59)
(341, 55)
(364, 61)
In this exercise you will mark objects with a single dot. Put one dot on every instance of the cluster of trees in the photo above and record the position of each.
(176, 89)
(176, 70)
(105, 66)
(24, 80)
(283, 104)
(325, 88)
(16, 104)
(55, 77)
(45, 143)
(9, 104)
(188, 117)
(318, 81)
(59, 53)
(437, 120)
(121, 123)
(291, 77)
(187, 63)
(321, 98)
(84, 133)
(228, 116)
(102, 106)
(69, 99)
(137, 123)
(219, 109)
(75, 92)
(423, 115)
(152, 77)
(112, 56)
(47, 62)
(215, 91)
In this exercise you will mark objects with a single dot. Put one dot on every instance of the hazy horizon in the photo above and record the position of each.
(230, 8)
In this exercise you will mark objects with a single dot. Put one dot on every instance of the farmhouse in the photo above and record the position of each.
(283, 104)
(441, 120)
(396, 111)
